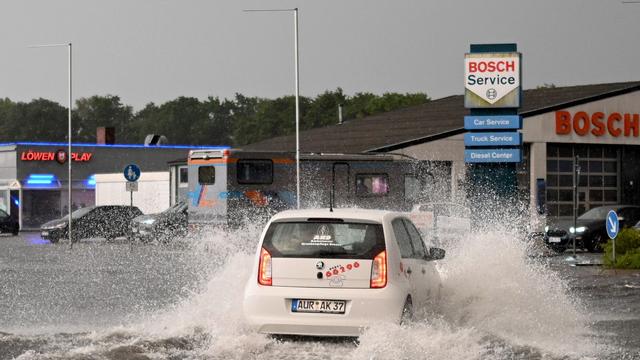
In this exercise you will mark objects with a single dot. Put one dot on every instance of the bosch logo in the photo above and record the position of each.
(492, 94)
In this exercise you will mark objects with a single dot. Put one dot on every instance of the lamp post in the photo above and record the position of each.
(68, 45)
(297, 90)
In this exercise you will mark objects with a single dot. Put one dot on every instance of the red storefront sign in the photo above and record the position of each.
(598, 124)
(31, 155)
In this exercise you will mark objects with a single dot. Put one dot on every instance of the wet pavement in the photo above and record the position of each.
(112, 301)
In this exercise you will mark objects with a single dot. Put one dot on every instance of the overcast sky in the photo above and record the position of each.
(154, 51)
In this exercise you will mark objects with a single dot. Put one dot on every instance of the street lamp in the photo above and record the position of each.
(69, 158)
(297, 89)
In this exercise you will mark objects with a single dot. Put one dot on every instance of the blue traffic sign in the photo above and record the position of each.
(493, 139)
(613, 225)
(492, 122)
(132, 172)
(492, 155)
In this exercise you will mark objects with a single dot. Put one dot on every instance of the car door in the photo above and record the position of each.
(425, 268)
(410, 266)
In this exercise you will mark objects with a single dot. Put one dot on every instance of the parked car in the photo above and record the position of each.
(162, 226)
(333, 273)
(108, 221)
(8, 223)
(590, 232)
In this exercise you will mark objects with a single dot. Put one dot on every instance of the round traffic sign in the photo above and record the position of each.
(612, 224)
(132, 172)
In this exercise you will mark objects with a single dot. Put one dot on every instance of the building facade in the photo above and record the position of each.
(34, 176)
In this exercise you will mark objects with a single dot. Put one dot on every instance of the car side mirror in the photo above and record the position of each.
(436, 253)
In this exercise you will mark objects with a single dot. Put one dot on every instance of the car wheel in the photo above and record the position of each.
(53, 240)
(407, 312)
(15, 230)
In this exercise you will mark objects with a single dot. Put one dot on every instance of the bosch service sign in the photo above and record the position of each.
(492, 80)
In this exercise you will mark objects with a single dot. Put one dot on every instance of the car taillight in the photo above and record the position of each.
(379, 271)
(264, 268)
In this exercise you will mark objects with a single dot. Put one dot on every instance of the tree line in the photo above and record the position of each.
(190, 121)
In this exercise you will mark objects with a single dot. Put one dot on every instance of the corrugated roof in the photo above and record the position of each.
(437, 118)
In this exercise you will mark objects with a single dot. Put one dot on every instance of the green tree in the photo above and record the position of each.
(96, 111)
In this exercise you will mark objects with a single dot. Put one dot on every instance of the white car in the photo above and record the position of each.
(333, 273)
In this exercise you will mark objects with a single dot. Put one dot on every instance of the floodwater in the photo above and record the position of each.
(501, 300)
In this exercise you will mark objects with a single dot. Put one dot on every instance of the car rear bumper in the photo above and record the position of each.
(268, 309)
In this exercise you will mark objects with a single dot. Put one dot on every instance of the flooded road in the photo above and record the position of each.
(183, 301)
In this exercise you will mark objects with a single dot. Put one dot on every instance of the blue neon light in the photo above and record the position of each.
(42, 176)
(212, 147)
(39, 182)
(91, 181)
(41, 179)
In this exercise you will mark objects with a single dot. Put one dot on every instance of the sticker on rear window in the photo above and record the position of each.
(323, 237)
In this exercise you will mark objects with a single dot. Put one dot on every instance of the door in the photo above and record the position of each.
(428, 285)
(340, 183)
(410, 265)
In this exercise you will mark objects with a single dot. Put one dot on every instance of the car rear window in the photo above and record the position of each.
(307, 239)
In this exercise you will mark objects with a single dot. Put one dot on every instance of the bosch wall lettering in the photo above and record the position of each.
(598, 124)
(492, 80)
(54, 156)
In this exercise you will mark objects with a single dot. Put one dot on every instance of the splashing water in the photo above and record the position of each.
(496, 303)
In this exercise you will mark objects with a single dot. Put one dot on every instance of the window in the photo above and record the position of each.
(324, 240)
(419, 251)
(206, 175)
(411, 187)
(376, 184)
(255, 171)
(183, 176)
(402, 237)
(3, 214)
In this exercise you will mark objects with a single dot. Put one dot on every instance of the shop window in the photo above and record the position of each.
(255, 171)
(566, 180)
(611, 181)
(552, 180)
(565, 151)
(552, 165)
(552, 150)
(595, 196)
(206, 175)
(595, 152)
(412, 188)
(583, 179)
(183, 176)
(377, 184)
(565, 195)
(610, 166)
(611, 152)
(581, 151)
(611, 195)
(552, 195)
(595, 166)
(565, 210)
(595, 180)
(565, 165)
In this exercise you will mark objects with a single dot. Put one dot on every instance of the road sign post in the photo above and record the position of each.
(613, 228)
(132, 174)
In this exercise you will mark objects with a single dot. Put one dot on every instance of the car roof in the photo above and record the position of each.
(342, 213)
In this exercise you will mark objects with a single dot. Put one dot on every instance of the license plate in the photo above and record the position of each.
(554, 239)
(318, 306)
(45, 233)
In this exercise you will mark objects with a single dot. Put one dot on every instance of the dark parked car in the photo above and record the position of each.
(8, 223)
(590, 232)
(109, 222)
(161, 227)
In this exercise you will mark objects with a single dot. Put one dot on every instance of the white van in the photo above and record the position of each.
(333, 273)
